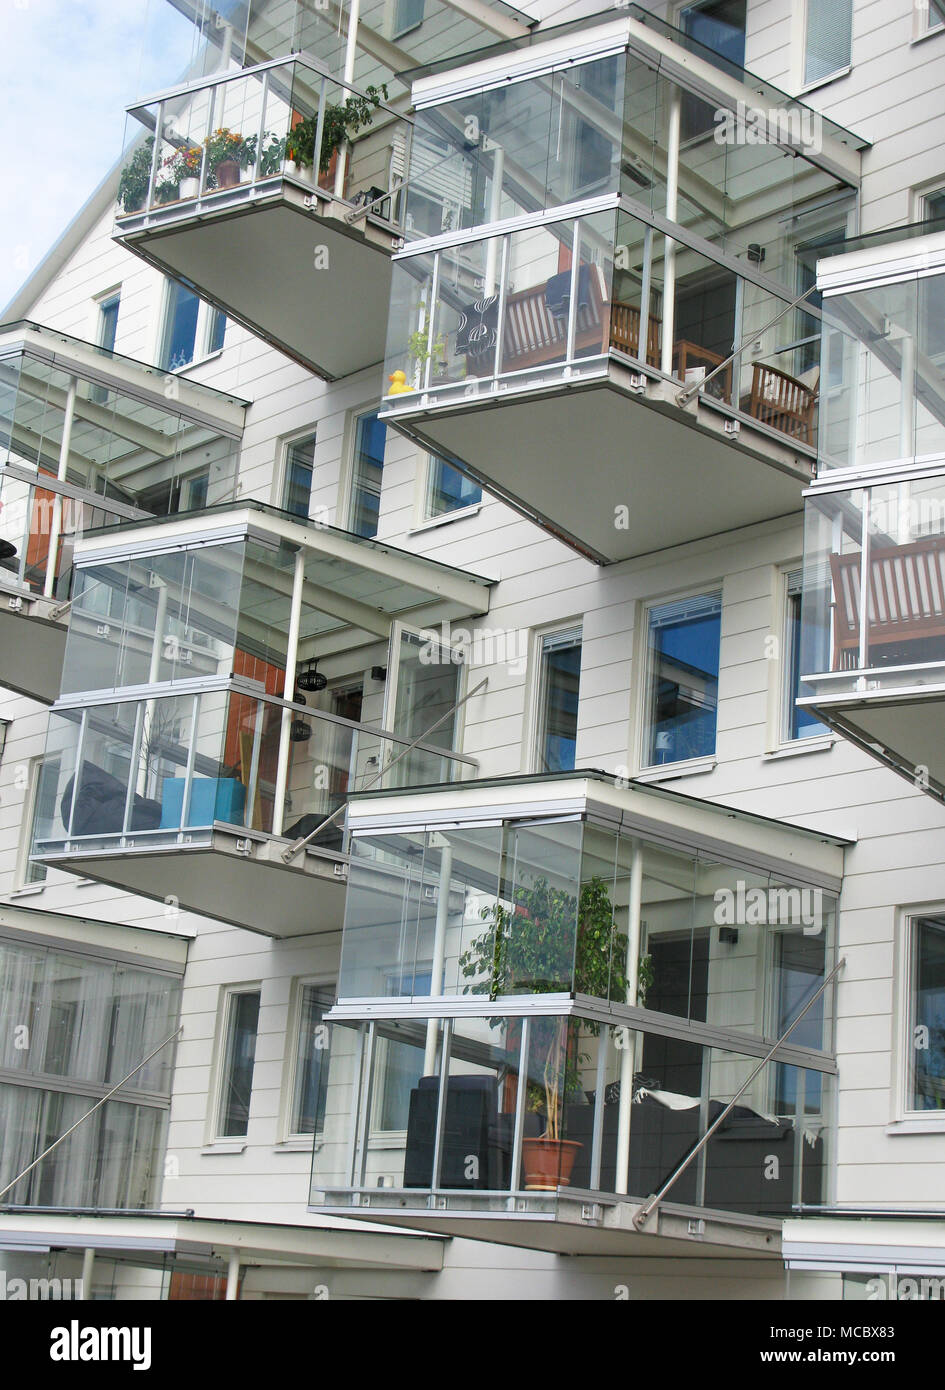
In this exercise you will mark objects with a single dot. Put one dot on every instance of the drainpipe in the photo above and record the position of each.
(439, 948)
(669, 246)
(55, 528)
(88, 1263)
(628, 1056)
(232, 1276)
(351, 52)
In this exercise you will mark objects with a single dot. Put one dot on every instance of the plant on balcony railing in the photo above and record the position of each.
(342, 120)
(530, 948)
(135, 178)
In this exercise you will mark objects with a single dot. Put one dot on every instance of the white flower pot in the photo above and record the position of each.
(298, 171)
(190, 188)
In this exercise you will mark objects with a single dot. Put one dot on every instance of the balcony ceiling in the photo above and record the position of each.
(905, 733)
(570, 456)
(32, 649)
(255, 258)
(233, 876)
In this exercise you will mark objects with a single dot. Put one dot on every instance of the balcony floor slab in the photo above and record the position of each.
(282, 262)
(233, 876)
(573, 454)
(32, 649)
(906, 732)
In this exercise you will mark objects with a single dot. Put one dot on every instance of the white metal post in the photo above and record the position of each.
(55, 528)
(669, 252)
(628, 1056)
(291, 662)
(439, 950)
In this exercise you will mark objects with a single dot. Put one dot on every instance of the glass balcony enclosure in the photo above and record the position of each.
(572, 226)
(873, 636)
(507, 975)
(180, 725)
(90, 439)
(269, 141)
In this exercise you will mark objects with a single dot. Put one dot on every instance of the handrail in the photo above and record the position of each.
(642, 1214)
(82, 1118)
(293, 849)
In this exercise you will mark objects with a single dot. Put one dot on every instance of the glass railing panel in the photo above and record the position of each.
(905, 574)
(38, 527)
(833, 569)
(466, 316)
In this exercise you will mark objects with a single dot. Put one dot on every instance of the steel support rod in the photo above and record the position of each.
(641, 1216)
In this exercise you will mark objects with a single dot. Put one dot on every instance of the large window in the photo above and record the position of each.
(242, 1018)
(311, 1061)
(558, 691)
(718, 26)
(926, 1041)
(297, 479)
(192, 329)
(828, 38)
(448, 490)
(370, 436)
(796, 723)
(683, 679)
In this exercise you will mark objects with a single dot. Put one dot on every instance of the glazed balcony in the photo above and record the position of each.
(213, 195)
(873, 644)
(595, 256)
(551, 988)
(88, 439)
(182, 727)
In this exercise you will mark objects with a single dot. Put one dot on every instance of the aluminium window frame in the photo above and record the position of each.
(215, 1138)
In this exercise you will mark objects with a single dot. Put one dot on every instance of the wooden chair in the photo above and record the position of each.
(782, 402)
(687, 355)
(625, 332)
(906, 596)
(533, 335)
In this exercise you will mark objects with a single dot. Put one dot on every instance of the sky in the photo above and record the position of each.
(69, 68)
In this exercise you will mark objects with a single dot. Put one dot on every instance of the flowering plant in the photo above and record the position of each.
(224, 145)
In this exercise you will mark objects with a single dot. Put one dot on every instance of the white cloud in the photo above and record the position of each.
(70, 68)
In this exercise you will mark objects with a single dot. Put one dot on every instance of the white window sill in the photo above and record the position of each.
(823, 81)
(434, 521)
(798, 747)
(27, 891)
(295, 1145)
(667, 771)
(191, 366)
(928, 33)
(224, 1146)
(933, 1123)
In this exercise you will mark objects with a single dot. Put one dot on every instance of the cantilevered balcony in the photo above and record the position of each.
(873, 641)
(595, 310)
(188, 762)
(88, 439)
(551, 988)
(227, 193)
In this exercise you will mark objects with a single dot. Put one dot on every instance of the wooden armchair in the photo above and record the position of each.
(782, 402)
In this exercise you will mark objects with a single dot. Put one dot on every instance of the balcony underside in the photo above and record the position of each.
(233, 876)
(573, 455)
(906, 732)
(297, 276)
(567, 1223)
(31, 654)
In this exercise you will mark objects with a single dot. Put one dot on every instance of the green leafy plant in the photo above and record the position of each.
(136, 177)
(419, 351)
(544, 941)
(341, 121)
(271, 154)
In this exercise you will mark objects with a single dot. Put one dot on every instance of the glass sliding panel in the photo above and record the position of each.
(242, 1020)
(399, 1075)
(683, 679)
(833, 573)
(333, 1146)
(466, 316)
(312, 1063)
(22, 979)
(427, 686)
(536, 921)
(719, 26)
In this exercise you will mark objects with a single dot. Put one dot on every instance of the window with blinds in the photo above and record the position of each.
(829, 38)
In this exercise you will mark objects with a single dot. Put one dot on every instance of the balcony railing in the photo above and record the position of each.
(234, 136)
(489, 314)
(159, 772)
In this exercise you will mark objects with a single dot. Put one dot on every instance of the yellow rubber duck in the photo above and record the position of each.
(398, 384)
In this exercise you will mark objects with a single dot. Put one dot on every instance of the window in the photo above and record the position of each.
(297, 476)
(931, 15)
(808, 356)
(311, 1061)
(683, 679)
(799, 970)
(796, 723)
(719, 27)
(407, 15)
(242, 1018)
(108, 321)
(558, 690)
(926, 1040)
(370, 436)
(828, 38)
(192, 329)
(448, 490)
(44, 813)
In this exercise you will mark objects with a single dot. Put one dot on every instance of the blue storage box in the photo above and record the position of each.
(211, 798)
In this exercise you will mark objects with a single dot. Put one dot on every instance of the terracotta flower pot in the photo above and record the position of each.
(228, 173)
(548, 1163)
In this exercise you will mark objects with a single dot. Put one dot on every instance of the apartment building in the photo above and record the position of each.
(446, 778)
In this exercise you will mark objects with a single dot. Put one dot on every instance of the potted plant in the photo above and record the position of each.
(271, 154)
(530, 948)
(228, 154)
(182, 172)
(341, 121)
(135, 178)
